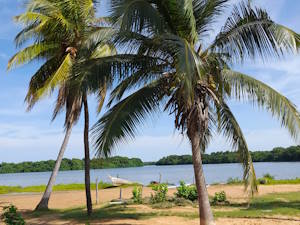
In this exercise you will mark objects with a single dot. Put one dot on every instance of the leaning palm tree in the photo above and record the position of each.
(61, 32)
(193, 79)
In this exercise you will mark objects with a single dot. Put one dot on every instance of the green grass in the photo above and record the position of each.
(284, 204)
(291, 181)
(59, 187)
(41, 188)
(234, 181)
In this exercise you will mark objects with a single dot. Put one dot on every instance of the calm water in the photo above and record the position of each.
(172, 174)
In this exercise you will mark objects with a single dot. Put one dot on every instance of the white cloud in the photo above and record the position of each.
(32, 143)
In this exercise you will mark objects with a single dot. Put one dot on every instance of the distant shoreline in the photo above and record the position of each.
(279, 154)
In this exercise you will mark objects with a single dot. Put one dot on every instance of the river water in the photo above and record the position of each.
(171, 174)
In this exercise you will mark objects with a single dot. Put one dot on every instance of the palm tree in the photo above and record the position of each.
(63, 35)
(191, 78)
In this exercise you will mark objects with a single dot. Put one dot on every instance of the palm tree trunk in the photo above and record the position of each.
(43, 204)
(87, 157)
(205, 213)
(196, 129)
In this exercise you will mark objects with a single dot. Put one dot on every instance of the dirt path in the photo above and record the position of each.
(71, 199)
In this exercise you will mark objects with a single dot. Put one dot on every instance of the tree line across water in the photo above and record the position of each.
(70, 164)
(278, 154)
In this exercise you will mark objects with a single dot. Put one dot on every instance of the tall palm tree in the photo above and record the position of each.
(62, 33)
(192, 78)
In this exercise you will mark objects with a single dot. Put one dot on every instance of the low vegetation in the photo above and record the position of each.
(290, 154)
(160, 193)
(59, 187)
(187, 192)
(271, 205)
(11, 216)
(267, 179)
(137, 194)
(219, 198)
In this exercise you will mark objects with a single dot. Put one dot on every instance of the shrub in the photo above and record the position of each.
(160, 194)
(235, 180)
(268, 176)
(183, 202)
(262, 181)
(266, 179)
(220, 197)
(187, 192)
(10, 216)
(137, 195)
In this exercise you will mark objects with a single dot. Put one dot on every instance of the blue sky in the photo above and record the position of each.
(32, 136)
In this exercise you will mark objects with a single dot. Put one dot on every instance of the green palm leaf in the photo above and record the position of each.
(247, 88)
(135, 15)
(250, 32)
(230, 128)
(121, 121)
(59, 76)
(35, 51)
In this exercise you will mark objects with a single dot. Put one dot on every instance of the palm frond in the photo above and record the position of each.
(249, 33)
(121, 121)
(39, 79)
(30, 53)
(71, 100)
(136, 15)
(59, 76)
(141, 77)
(101, 94)
(180, 18)
(247, 88)
(206, 12)
(231, 130)
(52, 9)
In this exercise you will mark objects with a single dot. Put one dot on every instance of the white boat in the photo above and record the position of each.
(119, 181)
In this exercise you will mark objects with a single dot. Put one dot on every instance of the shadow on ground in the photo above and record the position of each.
(107, 215)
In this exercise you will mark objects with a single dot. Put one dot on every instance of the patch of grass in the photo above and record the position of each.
(287, 181)
(59, 187)
(285, 204)
(234, 180)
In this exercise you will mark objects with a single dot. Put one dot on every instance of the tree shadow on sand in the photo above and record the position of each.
(107, 214)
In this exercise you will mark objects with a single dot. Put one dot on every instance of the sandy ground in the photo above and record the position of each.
(71, 199)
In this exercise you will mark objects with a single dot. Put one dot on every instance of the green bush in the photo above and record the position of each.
(137, 194)
(187, 192)
(268, 176)
(11, 216)
(220, 197)
(235, 180)
(183, 202)
(266, 179)
(160, 194)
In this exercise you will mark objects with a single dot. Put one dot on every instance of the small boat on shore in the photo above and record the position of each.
(119, 181)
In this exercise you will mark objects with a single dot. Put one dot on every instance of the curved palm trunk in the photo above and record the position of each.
(43, 204)
(87, 157)
(197, 125)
